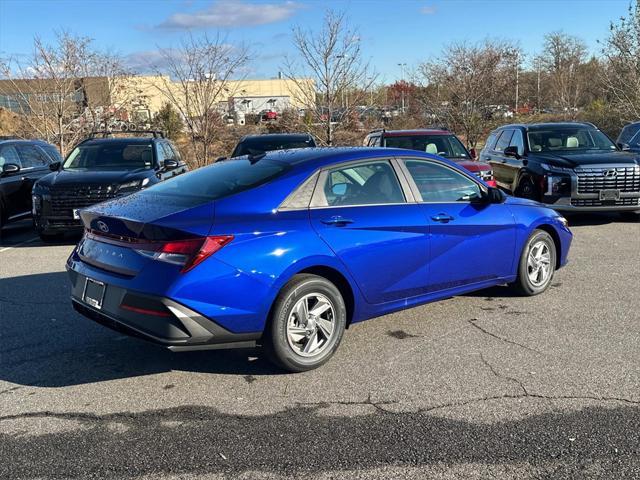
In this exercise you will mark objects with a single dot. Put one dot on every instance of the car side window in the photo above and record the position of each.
(439, 184)
(161, 153)
(362, 184)
(174, 151)
(628, 133)
(53, 153)
(517, 140)
(31, 156)
(491, 141)
(9, 154)
(503, 141)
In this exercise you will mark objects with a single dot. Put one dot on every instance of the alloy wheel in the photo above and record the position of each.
(539, 263)
(310, 325)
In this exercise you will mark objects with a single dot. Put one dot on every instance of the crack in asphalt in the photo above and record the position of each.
(498, 337)
(368, 401)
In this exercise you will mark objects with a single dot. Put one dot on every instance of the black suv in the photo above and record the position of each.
(22, 162)
(99, 169)
(256, 144)
(568, 166)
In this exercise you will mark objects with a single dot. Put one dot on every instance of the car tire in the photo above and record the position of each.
(537, 264)
(527, 189)
(296, 339)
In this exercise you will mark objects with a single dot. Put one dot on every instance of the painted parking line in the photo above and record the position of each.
(19, 244)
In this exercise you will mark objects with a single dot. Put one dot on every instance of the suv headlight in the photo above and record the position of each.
(133, 186)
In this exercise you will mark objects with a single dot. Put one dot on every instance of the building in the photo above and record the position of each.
(139, 98)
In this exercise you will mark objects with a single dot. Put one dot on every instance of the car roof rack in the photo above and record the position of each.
(106, 133)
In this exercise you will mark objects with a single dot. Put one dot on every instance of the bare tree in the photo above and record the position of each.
(562, 58)
(460, 86)
(60, 87)
(621, 75)
(200, 77)
(330, 75)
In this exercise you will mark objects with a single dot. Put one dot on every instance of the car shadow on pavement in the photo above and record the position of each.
(597, 441)
(45, 343)
(590, 219)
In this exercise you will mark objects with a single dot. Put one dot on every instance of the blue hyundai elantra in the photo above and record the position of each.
(287, 249)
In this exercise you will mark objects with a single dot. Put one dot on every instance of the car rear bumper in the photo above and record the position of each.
(156, 319)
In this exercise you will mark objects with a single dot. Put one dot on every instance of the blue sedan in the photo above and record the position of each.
(287, 249)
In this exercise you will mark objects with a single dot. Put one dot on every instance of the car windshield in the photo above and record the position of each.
(578, 139)
(447, 146)
(111, 156)
(253, 146)
(219, 180)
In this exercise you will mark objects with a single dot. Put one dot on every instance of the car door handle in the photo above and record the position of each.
(442, 218)
(337, 221)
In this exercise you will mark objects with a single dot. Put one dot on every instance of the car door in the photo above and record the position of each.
(471, 241)
(512, 165)
(499, 160)
(12, 203)
(35, 164)
(370, 221)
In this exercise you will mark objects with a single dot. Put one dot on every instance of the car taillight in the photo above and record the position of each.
(188, 253)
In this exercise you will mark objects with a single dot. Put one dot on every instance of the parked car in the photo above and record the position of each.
(288, 249)
(22, 162)
(435, 141)
(568, 166)
(256, 144)
(629, 138)
(99, 169)
(268, 115)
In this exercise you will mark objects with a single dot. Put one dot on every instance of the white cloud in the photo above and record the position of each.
(428, 10)
(232, 13)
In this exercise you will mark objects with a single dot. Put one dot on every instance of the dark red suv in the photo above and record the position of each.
(435, 141)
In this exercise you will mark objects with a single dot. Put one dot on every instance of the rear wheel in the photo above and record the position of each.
(537, 264)
(306, 325)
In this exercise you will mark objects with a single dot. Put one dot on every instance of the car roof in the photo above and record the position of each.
(127, 140)
(25, 141)
(547, 125)
(277, 136)
(414, 132)
(313, 158)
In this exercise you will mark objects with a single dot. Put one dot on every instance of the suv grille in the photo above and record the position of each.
(623, 202)
(592, 180)
(65, 199)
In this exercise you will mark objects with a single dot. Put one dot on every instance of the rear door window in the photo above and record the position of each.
(628, 133)
(362, 184)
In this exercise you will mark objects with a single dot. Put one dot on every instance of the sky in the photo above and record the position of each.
(391, 31)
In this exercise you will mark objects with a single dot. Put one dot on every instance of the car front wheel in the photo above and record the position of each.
(537, 264)
(307, 323)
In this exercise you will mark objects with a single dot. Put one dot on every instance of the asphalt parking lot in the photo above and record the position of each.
(479, 386)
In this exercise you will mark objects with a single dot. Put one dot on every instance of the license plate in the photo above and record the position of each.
(609, 195)
(93, 293)
(76, 214)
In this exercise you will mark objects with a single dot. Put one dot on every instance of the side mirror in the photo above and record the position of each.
(170, 164)
(55, 166)
(220, 159)
(624, 146)
(339, 189)
(473, 153)
(511, 151)
(495, 195)
(10, 168)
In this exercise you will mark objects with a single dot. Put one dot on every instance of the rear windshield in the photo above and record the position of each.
(447, 146)
(567, 140)
(254, 146)
(219, 180)
(111, 156)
